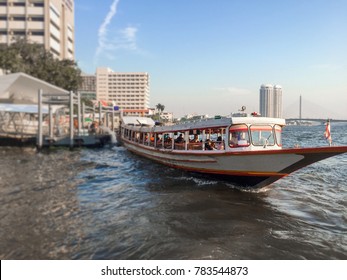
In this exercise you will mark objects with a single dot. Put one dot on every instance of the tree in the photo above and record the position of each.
(160, 107)
(34, 60)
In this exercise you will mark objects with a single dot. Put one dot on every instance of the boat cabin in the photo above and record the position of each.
(222, 134)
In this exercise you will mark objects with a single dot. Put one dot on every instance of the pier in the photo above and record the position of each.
(78, 133)
(58, 119)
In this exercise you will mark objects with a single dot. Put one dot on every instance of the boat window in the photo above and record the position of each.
(151, 139)
(167, 141)
(238, 136)
(215, 138)
(262, 135)
(137, 137)
(278, 131)
(195, 140)
(159, 140)
(179, 141)
(147, 137)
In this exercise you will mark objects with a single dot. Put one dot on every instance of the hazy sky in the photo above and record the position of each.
(210, 57)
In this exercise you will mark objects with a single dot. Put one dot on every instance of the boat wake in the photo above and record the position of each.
(200, 181)
(108, 131)
(220, 184)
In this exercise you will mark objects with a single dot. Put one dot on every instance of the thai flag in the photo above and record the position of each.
(327, 133)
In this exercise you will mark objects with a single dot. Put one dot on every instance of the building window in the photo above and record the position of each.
(19, 4)
(55, 12)
(19, 32)
(55, 38)
(38, 4)
(33, 18)
(55, 25)
(18, 18)
(38, 33)
(55, 52)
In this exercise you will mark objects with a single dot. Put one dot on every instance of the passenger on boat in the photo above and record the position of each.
(242, 139)
(209, 145)
(167, 141)
(233, 140)
(220, 143)
(167, 138)
(196, 139)
(179, 139)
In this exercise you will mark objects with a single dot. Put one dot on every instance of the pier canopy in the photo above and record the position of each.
(22, 108)
(20, 88)
(138, 121)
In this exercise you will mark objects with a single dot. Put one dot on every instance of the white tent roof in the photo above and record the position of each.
(22, 108)
(21, 88)
(132, 120)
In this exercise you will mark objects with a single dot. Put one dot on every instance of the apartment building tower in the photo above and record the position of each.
(88, 86)
(46, 22)
(277, 101)
(129, 90)
(270, 103)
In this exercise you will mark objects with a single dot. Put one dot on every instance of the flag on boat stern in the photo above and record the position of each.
(327, 133)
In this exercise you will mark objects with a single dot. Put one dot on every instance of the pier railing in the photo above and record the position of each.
(74, 127)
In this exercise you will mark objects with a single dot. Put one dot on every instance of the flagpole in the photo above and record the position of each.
(327, 132)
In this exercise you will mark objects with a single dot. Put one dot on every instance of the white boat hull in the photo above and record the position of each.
(248, 168)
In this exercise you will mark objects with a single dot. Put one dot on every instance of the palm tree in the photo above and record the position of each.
(160, 107)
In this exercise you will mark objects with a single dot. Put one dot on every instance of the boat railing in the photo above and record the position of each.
(168, 144)
(195, 146)
(179, 146)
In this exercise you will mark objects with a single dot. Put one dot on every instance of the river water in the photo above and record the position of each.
(110, 204)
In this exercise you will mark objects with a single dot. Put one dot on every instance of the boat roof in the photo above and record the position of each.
(258, 120)
(202, 124)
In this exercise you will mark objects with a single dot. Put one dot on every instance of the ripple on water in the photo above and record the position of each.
(111, 204)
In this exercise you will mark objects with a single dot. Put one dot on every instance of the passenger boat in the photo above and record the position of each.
(243, 149)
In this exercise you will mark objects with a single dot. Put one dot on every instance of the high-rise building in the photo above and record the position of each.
(277, 101)
(270, 103)
(46, 22)
(266, 100)
(129, 90)
(88, 86)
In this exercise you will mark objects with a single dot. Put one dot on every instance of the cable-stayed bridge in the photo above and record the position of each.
(305, 120)
(310, 111)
